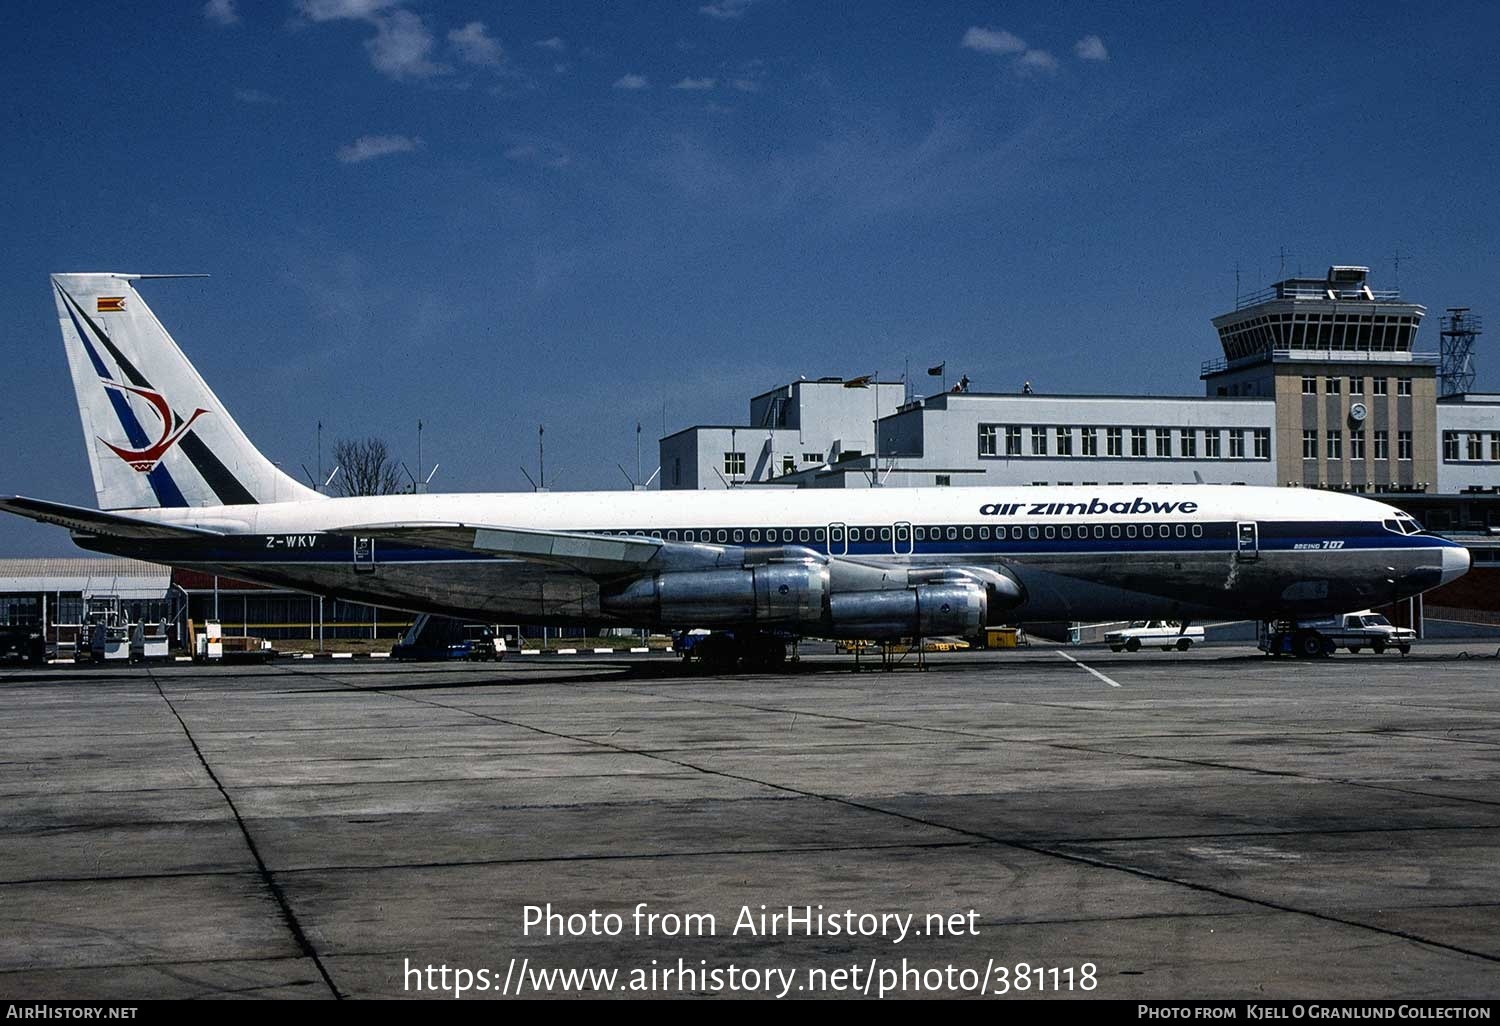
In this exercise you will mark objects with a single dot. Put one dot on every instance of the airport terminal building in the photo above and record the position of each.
(1321, 383)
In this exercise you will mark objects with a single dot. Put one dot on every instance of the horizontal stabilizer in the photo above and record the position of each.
(91, 521)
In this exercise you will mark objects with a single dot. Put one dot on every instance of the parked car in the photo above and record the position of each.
(1163, 634)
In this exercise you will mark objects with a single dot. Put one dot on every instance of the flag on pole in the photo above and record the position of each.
(938, 370)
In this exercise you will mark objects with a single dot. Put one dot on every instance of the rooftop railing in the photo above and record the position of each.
(1312, 292)
(1316, 356)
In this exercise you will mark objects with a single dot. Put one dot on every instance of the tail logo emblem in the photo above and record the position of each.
(145, 460)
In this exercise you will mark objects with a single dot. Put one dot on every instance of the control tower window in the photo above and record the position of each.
(1309, 385)
(1333, 386)
(1403, 386)
(1357, 385)
(1380, 386)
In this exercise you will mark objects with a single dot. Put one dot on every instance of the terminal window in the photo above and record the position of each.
(987, 440)
(1382, 445)
(1163, 442)
(1012, 441)
(1450, 445)
(1476, 446)
(1333, 386)
(1356, 445)
(1403, 386)
(1335, 445)
(1090, 441)
(1236, 445)
(1211, 445)
(1114, 439)
(1357, 385)
(1262, 444)
(1038, 441)
(1309, 445)
(1188, 443)
(1379, 386)
(1137, 441)
(1064, 441)
(1403, 445)
(734, 463)
(1495, 446)
(1309, 385)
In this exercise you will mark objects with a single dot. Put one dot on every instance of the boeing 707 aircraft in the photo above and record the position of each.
(179, 483)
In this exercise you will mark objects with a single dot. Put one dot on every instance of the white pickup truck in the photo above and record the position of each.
(1352, 631)
(1164, 634)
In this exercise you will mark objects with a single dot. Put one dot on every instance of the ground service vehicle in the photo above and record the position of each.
(1326, 635)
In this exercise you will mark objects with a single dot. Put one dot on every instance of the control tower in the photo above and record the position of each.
(1355, 400)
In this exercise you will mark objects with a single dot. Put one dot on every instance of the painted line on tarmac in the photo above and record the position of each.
(1084, 666)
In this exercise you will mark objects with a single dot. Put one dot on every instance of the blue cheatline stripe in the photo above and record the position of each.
(159, 478)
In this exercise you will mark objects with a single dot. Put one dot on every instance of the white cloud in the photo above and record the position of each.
(632, 81)
(221, 12)
(339, 10)
(542, 156)
(1036, 61)
(1091, 48)
(402, 46)
(992, 41)
(696, 84)
(475, 45)
(254, 96)
(368, 147)
(553, 43)
(726, 10)
(746, 85)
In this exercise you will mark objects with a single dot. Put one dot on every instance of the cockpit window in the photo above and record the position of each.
(1402, 525)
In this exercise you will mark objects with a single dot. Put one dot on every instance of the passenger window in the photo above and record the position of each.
(1197, 530)
(656, 534)
(739, 536)
(1130, 530)
(1031, 533)
(968, 534)
(921, 534)
(1165, 530)
(671, 536)
(953, 534)
(885, 534)
(1067, 532)
(1050, 533)
(1147, 531)
(1099, 531)
(723, 536)
(755, 536)
(1114, 530)
(1181, 531)
(1015, 532)
(802, 534)
(984, 534)
(818, 534)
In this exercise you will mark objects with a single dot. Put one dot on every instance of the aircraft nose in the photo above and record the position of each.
(1455, 562)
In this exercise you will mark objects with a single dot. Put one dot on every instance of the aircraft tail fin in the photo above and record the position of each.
(157, 436)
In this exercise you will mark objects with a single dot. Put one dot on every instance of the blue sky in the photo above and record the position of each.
(494, 215)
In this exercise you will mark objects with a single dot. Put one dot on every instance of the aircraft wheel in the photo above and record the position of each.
(1133, 645)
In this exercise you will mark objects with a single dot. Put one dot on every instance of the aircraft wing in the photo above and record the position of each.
(82, 520)
(596, 555)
